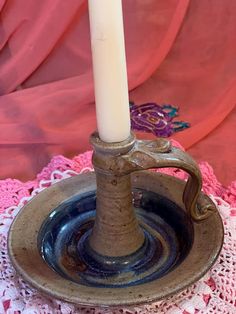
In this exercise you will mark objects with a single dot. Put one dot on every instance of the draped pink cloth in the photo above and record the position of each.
(178, 51)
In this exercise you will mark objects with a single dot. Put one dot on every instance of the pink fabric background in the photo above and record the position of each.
(178, 51)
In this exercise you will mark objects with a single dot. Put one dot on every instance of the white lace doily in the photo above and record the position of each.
(213, 294)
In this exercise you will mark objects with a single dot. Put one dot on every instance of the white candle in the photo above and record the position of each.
(109, 70)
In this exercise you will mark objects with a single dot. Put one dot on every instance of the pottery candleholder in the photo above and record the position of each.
(123, 235)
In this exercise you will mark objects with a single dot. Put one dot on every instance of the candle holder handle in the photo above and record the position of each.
(161, 154)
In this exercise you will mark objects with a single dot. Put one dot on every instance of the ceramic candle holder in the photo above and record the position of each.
(122, 235)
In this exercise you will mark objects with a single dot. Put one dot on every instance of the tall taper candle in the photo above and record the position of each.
(109, 70)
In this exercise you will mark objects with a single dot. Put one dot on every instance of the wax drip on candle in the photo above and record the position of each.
(156, 119)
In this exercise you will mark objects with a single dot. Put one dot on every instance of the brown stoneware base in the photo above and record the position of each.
(43, 263)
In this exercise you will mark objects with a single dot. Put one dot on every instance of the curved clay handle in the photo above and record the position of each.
(161, 154)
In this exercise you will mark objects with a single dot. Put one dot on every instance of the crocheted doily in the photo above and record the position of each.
(215, 293)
